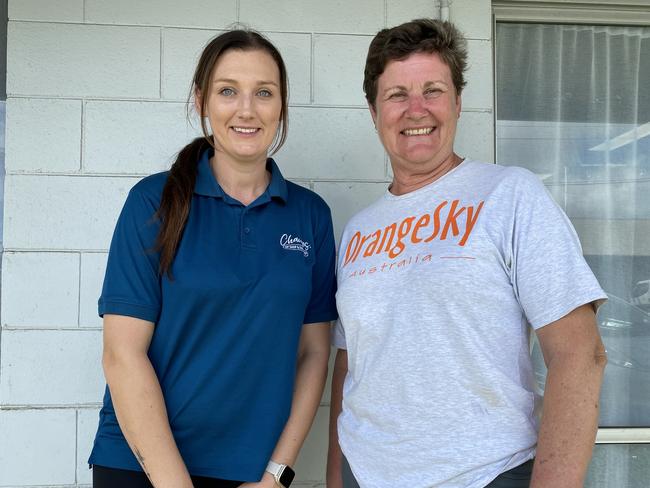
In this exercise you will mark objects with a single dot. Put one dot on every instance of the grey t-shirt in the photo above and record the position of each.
(436, 292)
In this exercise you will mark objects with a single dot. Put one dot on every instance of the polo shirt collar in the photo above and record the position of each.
(207, 185)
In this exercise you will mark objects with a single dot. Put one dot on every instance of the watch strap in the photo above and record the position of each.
(282, 473)
(273, 468)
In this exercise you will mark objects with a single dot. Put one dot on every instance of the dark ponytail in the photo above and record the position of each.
(177, 194)
(175, 202)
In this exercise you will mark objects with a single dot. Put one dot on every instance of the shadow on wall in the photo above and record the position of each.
(3, 111)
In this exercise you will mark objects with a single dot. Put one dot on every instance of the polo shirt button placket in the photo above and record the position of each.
(249, 269)
(246, 231)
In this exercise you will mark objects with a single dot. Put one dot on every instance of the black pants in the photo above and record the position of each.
(122, 478)
(518, 477)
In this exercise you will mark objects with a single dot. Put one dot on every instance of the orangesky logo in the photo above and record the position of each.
(448, 220)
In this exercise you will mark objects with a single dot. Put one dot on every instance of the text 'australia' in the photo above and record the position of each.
(448, 220)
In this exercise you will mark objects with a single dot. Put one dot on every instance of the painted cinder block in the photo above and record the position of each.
(51, 367)
(40, 289)
(182, 48)
(191, 13)
(338, 72)
(75, 60)
(93, 267)
(62, 212)
(398, 11)
(475, 136)
(296, 54)
(362, 16)
(479, 92)
(134, 137)
(48, 10)
(472, 17)
(181, 51)
(340, 60)
(43, 135)
(335, 143)
(310, 465)
(348, 198)
(87, 419)
(38, 447)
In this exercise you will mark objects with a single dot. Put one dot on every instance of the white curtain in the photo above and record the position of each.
(573, 105)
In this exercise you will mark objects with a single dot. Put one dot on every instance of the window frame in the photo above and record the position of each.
(610, 12)
(593, 12)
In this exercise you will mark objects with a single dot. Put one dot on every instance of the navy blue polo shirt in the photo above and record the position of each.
(224, 346)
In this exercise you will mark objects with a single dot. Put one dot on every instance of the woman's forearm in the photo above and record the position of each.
(576, 359)
(142, 416)
(569, 423)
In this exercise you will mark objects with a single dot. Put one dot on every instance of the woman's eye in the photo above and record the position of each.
(227, 92)
(264, 93)
(397, 95)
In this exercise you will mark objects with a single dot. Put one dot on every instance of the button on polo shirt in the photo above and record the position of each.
(245, 280)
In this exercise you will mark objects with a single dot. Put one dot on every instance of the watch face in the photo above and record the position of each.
(287, 476)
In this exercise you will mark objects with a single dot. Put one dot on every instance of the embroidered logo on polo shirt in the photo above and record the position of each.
(290, 243)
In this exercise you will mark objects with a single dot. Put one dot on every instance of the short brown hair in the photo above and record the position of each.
(416, 36)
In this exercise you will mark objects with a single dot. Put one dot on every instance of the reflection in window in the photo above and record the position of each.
(619, 465)
(573, 106)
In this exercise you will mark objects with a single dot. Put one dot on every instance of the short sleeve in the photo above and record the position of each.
(338, 335)
(322, 303)
(132, 283)
(549, 273)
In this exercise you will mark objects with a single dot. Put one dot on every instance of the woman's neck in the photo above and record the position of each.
(243, 181)
(406, 181)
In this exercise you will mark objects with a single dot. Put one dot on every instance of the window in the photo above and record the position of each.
(573, 106)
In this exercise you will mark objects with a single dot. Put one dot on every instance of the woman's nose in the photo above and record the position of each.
(245, 106)
(416, 106)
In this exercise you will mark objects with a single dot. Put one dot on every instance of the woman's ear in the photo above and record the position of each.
(198, 103)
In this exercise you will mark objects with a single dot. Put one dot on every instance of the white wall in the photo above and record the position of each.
(96, 94)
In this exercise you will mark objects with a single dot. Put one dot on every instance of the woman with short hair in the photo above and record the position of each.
(439, 284)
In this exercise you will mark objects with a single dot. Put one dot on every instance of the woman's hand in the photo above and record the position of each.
(267, 481)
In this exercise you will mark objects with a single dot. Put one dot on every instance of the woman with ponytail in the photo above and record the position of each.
(217, 298)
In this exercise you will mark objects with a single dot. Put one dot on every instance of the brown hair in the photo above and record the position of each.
(416, 36)
(177, 194)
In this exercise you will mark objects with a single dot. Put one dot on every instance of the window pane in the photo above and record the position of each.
(619, 465)
(573, 106)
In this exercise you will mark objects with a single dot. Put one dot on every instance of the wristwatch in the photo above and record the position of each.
(282, 473)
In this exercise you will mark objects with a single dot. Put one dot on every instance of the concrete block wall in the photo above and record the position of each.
(96, 95)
